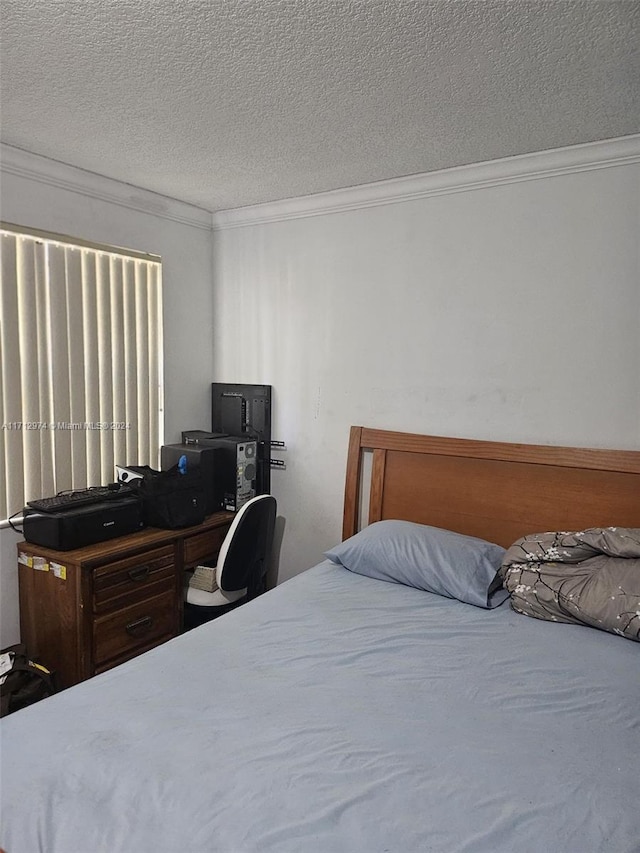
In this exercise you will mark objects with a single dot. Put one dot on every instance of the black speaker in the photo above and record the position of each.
(211, 463)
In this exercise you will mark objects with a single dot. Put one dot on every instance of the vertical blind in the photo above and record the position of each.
(81, 377)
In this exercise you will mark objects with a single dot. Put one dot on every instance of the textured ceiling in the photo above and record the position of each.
(225, 103)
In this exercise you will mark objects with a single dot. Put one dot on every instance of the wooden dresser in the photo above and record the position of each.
(85, 611)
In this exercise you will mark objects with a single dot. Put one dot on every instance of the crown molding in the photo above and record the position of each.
(590, 156)
(525, 167)
(34, 167)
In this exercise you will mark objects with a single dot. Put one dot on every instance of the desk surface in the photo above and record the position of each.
(131, 543)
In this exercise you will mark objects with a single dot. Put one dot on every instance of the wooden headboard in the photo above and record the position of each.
(493, 490)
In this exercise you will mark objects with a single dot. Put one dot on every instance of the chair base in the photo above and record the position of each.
(194, 616)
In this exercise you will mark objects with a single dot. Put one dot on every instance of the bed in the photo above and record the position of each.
(342, 712)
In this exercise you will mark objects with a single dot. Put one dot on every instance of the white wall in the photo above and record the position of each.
(42, 194)
(499, 301)
(504, 309)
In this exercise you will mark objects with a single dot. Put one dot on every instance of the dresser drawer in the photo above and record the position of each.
(133, 579)
(132, 627)
(204, 546)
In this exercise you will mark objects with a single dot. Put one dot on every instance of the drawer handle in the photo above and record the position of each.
(139, 574)
(140, 626)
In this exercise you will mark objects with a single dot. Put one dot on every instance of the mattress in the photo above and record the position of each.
(339, 713)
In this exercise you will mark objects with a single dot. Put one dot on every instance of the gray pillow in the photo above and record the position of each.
(427, 558)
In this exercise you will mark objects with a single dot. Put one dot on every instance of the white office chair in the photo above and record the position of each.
(242, 563)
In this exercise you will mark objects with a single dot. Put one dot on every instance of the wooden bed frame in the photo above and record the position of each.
(493, 490)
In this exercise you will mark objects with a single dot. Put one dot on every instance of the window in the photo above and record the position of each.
(80, 364)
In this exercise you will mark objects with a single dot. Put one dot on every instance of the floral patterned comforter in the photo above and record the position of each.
(591, 577)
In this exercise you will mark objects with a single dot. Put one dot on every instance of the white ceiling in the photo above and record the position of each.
(226, 103)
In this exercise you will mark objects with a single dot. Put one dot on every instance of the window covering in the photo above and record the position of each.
(81, 374)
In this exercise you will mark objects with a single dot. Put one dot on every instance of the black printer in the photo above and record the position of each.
(66, 526)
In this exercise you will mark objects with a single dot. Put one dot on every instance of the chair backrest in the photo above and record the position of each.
(244, 556)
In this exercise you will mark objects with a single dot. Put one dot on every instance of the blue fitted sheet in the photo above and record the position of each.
(339, 713)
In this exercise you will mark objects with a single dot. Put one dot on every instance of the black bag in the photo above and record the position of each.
(25, 683)
(170, 499)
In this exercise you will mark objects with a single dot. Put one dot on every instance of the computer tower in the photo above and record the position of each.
(228, 467)
(238, 467)
(245, 410)
(211, 463)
